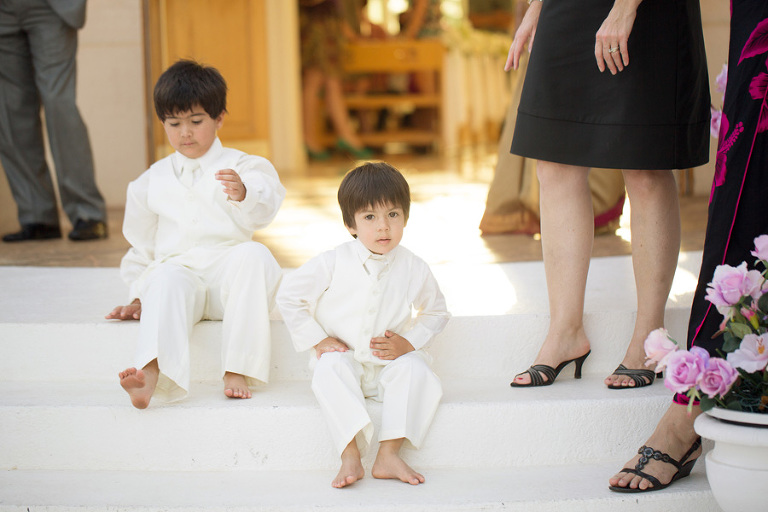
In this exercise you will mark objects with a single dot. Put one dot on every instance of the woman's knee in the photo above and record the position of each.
(553, 175)
(642, 183)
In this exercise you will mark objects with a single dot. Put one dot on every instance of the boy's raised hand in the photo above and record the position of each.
(130, 312)
(233, 185)
(390, 346)
(330, 345)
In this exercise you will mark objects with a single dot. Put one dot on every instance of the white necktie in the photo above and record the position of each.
(188, 169)
(375, 264)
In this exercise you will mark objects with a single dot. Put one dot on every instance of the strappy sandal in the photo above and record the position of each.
(684, 467)
(539, 371)
(641, 377)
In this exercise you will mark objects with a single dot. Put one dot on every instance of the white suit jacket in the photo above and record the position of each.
(166, 221)
(334, 295)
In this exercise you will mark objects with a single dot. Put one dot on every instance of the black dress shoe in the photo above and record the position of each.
(88, 230)
(34, 232)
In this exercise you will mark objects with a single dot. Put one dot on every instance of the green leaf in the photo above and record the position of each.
(707, 403)
(740, 330)
(730, 343)
(762, 303)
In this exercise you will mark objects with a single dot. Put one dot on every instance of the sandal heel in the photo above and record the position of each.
(579, 363)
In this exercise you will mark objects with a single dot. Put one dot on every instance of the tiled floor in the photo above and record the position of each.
(448, 202)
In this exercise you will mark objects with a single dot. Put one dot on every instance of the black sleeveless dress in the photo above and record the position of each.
(653, 115)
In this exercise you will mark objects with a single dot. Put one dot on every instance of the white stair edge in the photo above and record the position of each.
(577, 488)
(486, 424)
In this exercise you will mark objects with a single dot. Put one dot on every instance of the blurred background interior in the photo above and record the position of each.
(421, 85)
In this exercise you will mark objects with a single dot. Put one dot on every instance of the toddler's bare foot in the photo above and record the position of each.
(134, 382)
(350, 472)
(235, 386)
(390, 465)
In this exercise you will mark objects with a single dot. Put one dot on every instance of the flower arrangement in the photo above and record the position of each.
(738, 380)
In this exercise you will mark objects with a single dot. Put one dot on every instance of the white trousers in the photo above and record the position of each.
(236, 285)
(407, 387)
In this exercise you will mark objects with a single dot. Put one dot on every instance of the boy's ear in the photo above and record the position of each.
(219, 121)
(352, 231)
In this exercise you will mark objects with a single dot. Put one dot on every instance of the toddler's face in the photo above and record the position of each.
(192, 133)
(379, 228)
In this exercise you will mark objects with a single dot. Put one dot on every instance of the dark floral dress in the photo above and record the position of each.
(738, 208)
(322, 39)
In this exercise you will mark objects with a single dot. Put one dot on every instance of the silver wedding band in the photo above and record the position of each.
(614, 49)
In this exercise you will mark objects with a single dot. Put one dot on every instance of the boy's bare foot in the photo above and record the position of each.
(134, 382)
(350, 472)
(389, 465)
(235, 386)
(351, 467)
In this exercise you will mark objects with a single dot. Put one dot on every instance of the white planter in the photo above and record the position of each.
(737, 468)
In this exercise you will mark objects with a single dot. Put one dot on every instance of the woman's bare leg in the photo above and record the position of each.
(655, 222)
(567, 232)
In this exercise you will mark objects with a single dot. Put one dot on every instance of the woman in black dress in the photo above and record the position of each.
(616, 84)
(738, 213)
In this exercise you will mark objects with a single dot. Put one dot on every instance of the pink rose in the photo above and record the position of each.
(717, 378)
(752, 354)
(683, 371)
(761, 248)
(658, 346)
(730, 284)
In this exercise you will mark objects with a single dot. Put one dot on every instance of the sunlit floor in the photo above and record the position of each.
(448, 195)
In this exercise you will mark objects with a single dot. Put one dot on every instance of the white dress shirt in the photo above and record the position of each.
(335, 294)
(168, 221)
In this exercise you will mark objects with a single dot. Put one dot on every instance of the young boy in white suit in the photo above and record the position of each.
(368, 308)
(189, 219)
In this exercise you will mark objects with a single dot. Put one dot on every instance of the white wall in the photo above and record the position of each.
(111, 93)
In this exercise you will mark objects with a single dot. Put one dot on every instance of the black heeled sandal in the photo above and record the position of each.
(539, 371)
(641, 377)
(684, 467)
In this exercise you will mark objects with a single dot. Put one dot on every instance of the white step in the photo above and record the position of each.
(281, 427)
(499, 319)
(576, 488)
(69, 439)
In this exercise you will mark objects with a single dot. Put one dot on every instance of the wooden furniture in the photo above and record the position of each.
(389, 57)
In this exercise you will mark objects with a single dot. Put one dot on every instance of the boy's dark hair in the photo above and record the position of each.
(187, 84)
(371, 184)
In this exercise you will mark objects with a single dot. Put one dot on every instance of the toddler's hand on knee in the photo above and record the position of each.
(130, 312)
(330, 345)
(390, 346)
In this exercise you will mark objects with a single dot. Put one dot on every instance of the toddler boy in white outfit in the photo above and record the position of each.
(189, 219)
(368, 308)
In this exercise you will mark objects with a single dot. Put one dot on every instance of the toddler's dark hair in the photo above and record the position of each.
(372, 184)
(186, 84)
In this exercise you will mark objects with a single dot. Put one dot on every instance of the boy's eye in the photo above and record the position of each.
(174, 124)
(369, 217)
(393, 214)
(197, 121)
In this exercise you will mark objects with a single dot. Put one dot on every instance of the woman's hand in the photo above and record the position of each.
(611, 49)
(524, 34)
